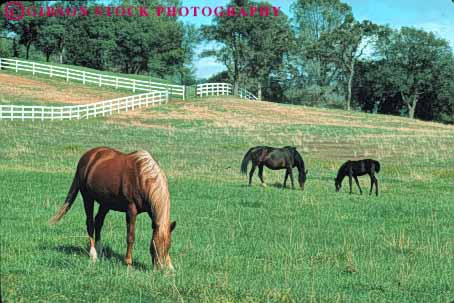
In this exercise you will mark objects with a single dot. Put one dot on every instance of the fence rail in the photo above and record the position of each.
(89, 77)
(222, 89)
(73, 112)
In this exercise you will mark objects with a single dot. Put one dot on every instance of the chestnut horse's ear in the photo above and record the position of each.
(172, 225)
(154, 225)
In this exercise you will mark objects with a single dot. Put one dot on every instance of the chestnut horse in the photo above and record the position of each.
(131, 183)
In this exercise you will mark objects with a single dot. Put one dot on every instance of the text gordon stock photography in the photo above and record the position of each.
(277, 151)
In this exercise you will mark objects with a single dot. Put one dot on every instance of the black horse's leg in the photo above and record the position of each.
(251, 173)
(376, 186)
(350, 180)
(261, 173)
(88, 205)
(357, 183)
(290, 172)
(285, 178)
(371, 183)
(99, 221)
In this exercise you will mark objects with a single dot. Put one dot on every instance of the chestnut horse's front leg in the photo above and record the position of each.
(131, 215)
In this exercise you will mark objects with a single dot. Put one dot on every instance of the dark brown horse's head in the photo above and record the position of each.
(302, 178)
(160, 245)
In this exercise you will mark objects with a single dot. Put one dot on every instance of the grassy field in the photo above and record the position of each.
(235, 243)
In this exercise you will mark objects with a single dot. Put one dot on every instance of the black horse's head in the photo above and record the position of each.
(338, 184)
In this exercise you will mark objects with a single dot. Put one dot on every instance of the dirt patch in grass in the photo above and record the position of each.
(50, 92)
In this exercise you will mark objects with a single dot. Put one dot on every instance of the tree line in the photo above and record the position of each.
(321, 56)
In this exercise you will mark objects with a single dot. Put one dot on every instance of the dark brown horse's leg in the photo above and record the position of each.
(251, 173)
(130, 225)
(350, 181)
(290, 172)
(261, 174)
(357, 183)
(88, 205)
(99, 221)
(285, 178)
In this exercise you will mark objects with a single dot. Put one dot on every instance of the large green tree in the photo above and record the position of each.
(412, 59)
(314, 21)
(252, 48)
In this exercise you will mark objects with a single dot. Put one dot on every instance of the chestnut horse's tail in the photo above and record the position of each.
(72, 194)
(246, 159)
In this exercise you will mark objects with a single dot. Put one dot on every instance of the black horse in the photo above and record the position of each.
(355, 169)
(275, 158)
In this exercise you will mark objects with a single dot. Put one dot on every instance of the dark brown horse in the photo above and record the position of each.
(131, 183)
(275, 158)
(355, 169)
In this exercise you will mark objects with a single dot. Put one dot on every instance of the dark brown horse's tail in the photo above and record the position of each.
(72, 194)
(246, 159)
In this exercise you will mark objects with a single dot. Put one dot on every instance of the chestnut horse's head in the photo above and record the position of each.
(160, 245)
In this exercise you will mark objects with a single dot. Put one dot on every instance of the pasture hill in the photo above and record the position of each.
(232, 243)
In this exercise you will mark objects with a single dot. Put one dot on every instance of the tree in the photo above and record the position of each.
(314, 19)
(252, 48)
(51, 37)
(344, 46)
(412, 59)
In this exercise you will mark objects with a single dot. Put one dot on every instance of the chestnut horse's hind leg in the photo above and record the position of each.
(130, 236)
(99, 221)
(88, 205)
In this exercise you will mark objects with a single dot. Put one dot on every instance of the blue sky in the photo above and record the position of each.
(436, 16)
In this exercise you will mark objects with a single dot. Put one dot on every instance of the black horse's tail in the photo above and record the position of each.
(377, 166)
(246, 159)
(72, 194)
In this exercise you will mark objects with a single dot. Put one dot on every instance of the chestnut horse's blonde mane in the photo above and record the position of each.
(154, 182)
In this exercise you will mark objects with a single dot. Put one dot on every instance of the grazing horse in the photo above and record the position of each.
(355, 169)
(275, 158)
(131, 183)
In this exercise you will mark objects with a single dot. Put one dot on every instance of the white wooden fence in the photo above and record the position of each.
(72, 112)
(221, 89)
(88, 77)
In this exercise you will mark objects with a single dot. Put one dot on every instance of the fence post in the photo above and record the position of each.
(17, 62)
(51, 70)
(184, 92)
(134, 85)
(99, 75)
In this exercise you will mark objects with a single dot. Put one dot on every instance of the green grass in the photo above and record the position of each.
(235, 243)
